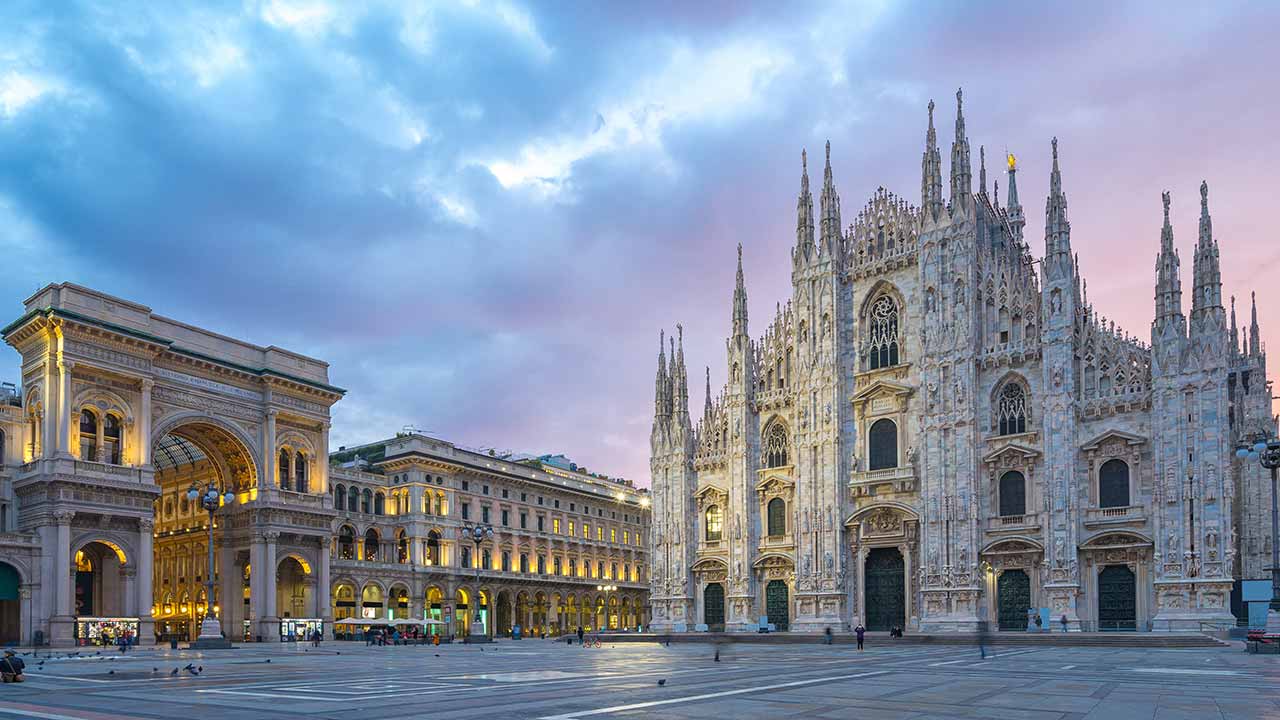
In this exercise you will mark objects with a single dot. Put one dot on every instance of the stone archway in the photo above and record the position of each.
(293, 588)
(197, 451)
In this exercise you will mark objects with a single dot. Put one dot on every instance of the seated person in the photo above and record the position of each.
(11, 667)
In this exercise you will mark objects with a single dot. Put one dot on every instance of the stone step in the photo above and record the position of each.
(1072, 639)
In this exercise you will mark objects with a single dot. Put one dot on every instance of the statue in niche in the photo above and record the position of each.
(830, 562)
(911, 455)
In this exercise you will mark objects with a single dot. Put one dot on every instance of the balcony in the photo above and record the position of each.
(1019, 523)
(1124, 515)
(901, 479)
(777, 542)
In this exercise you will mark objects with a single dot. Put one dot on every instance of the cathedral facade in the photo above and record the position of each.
(938, 429)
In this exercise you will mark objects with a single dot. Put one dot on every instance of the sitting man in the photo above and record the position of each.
(11, 667)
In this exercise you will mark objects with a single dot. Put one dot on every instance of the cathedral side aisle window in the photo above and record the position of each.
(884, 333)
(1011, 410)
(775, 446)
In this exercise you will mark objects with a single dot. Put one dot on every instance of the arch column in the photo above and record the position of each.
(323, 590)
(143, 582)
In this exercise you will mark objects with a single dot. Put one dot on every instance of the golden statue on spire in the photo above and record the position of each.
(1013, 162)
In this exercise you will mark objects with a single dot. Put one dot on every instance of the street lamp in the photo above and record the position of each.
(1266, 449)
(477, 533)
(606, 589)
(210, 630)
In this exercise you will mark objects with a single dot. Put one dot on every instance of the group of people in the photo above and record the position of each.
(390, 636)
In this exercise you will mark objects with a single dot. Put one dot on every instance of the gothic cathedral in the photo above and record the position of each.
(937, 429)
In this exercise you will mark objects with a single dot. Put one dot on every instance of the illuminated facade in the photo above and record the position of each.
(933, 432)
(120, 411)
(558, 535)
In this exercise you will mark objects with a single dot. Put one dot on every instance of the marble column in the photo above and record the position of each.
(269, 576)
(257, 584)
(62, 565)
(268, 483)
(230, 600)
(324, 606)
(64, 407)
(144, 426)
(320, 477)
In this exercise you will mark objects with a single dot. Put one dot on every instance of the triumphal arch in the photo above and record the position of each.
(121, 412)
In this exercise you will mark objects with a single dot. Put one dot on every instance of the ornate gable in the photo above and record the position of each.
(1115, 437)
(883, 397)
(1012, 454)
(776, 486)
(709, 495)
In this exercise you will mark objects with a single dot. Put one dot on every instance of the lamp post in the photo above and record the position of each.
(210, 630)
(477, 533)
(606, 589)
(1266, 449)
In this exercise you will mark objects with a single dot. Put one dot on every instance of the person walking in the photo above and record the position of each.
(827, 635)
(581, 634)
(1064, 622)
(983, 639)
(860, 632)
(11, 667)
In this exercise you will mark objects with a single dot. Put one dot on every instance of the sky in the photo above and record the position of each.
(481, 214)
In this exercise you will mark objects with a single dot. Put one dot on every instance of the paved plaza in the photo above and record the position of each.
(545, 679)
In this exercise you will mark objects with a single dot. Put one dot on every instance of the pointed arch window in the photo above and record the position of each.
(774, 448)
(883, 335)
(714, 521)
(1011, 410)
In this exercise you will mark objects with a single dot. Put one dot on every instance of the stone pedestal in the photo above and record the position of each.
(211, 636)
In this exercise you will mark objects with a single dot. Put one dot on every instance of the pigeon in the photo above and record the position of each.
(98, 653)
(662, 682)
(267, 660)
(193, 671)
(199, 668)
(189, 666)
(155, 669)
(111, 672)
(339, 652)
(437, 654)
(175, 672)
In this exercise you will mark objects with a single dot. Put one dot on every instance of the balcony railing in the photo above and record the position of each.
(902, 478)
(1013, 522)
(1108, 515)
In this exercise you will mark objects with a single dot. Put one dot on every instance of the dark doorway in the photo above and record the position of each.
(1013, 592)
(713, 607)
(885, 596)
(10, 609)
(1117, 599)
(777, 604)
